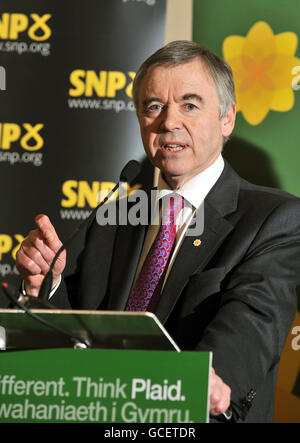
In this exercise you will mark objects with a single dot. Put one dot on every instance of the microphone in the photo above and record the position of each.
(129, 172)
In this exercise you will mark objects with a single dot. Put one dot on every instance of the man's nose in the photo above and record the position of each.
(170, 119)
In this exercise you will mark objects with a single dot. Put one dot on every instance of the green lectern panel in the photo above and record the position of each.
(101, 329)
(101, 385)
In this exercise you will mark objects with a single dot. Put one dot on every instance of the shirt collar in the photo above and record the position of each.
(196, 189)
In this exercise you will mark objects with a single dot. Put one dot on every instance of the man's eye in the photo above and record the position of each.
(155, 107)
(190, 106)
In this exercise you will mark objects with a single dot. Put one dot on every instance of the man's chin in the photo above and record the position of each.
(173, 177)
(172, 169)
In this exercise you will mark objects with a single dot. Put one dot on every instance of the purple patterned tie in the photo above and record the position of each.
(158, 256)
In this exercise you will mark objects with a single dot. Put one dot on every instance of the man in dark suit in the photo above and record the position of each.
(231, 289)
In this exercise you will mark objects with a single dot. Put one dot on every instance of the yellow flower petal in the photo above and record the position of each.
(264, 70)
(259, 33)
(260, 42)
(233, 46)
(286, 43)
(255, 104)
(239, 71)
(283, 100)
(256, 115)
(260, 49)
(282, 71)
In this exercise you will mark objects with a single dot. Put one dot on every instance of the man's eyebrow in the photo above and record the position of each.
(196, 97)
(149, 100)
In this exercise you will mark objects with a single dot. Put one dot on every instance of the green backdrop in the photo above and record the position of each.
(265, 152)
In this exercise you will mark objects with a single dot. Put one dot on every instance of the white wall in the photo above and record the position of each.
(179, 20)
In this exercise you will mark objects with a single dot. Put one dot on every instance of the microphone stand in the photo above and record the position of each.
(22, 303)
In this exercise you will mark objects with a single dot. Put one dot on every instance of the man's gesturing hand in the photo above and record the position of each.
(36, 254)
(219, 394)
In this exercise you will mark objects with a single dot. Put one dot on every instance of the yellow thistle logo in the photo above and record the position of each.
(263, 66)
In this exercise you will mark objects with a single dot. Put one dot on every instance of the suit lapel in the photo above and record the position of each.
(191, 258)
(221, 201)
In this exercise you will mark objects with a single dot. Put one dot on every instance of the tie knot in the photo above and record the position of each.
(171, 206)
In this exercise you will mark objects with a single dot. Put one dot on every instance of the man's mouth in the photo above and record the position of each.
(173, 147)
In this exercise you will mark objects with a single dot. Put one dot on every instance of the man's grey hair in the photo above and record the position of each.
(183, 51)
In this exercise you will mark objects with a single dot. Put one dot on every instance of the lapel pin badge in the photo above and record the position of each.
(197, 242)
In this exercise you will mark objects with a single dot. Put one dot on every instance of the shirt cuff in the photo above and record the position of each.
(51, 293)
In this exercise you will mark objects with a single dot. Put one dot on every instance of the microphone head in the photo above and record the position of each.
(130, 171)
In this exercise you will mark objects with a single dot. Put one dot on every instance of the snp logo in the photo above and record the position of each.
(11, 25)
(2, 79)
(81, 194)
(30, 140)
(102, 83)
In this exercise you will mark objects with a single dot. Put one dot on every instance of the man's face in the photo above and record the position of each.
(179, 120)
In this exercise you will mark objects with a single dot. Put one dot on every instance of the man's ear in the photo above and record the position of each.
(228, 121)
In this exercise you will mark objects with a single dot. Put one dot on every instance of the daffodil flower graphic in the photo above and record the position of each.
(263, 66)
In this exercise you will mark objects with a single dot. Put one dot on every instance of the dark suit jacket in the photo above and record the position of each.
(233, 295)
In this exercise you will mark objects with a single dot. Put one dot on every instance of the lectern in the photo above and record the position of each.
(97, 366)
